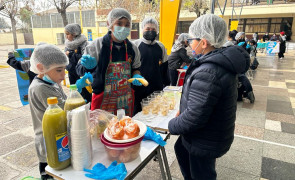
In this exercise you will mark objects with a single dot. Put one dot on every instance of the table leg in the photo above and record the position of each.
(166, 163)
(161, 164)
(179, 75)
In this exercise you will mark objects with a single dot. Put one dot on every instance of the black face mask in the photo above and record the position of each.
(150, 35)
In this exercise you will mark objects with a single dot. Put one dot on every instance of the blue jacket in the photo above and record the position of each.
(209, 101)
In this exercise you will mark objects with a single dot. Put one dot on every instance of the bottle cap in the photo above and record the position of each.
(52, 100)
(73, 87)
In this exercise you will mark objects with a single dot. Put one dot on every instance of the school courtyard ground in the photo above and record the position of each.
(264, 145)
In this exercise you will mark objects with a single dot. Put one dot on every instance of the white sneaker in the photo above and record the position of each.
(281, 58)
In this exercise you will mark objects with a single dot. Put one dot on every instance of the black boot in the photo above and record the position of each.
(251, 96)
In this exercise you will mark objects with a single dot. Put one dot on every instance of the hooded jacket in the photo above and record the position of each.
(209, 101)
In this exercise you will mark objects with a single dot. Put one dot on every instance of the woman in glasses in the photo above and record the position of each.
(206, 119)
(177, 57)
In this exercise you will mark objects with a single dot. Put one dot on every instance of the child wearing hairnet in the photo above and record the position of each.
(74, 48)
(154, 65)
(207, 113)
(49, 63)
(178, 57)
(113, 59)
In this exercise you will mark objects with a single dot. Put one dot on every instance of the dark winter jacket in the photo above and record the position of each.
(21, 65)
(176, 59)
(265, 38)
(209, 101)
(282, 44)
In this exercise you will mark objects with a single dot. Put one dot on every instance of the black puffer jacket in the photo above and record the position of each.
(209, 101)
(175, 59)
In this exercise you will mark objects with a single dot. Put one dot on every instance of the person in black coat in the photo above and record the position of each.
(177, 57)
(265, 37)
(282, 40)
(206, 119)
(21, 65)
(154, 65)
(75, 45)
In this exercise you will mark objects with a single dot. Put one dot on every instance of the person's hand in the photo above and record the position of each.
(10, 54)
(177, 114)
(88, 62)
(136, 82)
(81, 83)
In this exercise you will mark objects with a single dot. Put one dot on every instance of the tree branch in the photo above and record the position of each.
(57, 7)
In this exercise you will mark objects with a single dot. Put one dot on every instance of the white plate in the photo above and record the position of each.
(142, 128)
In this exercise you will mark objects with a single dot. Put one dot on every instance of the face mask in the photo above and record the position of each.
(150, 35)
(194, 50)
(47, 79)
(121, 33)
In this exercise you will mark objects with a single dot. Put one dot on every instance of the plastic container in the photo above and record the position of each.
(122, 152)
(80, 140)
(54, 125)
(99, 120)
(74, 100)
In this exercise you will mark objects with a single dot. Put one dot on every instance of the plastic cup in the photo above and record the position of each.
(164, 109)
(120, 113)
(80, 121)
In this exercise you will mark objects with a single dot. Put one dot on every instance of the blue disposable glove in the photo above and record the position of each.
(152, 135)
(114, 171)
(88, 62)
(184, 67)
(136, 82)
(81, 83)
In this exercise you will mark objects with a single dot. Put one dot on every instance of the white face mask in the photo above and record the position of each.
(194, 50)
(48, 79)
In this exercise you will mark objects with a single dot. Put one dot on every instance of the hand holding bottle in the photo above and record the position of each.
(81, 83)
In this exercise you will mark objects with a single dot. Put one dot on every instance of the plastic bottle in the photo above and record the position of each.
(54, 125)
(74, 100)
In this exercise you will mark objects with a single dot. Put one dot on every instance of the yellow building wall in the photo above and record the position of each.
(7, 38)
(49, 35)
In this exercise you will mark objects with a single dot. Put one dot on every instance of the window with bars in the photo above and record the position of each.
(88, 18)
(36, 20)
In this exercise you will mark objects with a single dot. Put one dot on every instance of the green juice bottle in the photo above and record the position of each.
(74, 100)
(54, 125)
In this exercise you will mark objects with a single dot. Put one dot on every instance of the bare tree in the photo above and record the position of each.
(200, 7)
(10, 9)
(138, 8)
(61, 7)
(1, 6)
